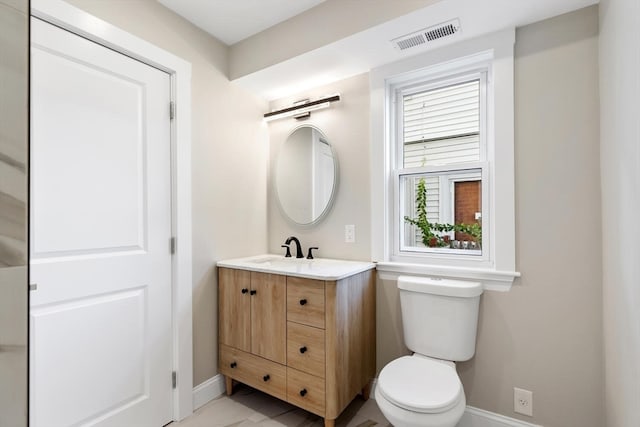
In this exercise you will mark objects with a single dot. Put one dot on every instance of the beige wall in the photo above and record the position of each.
(346, 126)
(14, 116)
(545, 335)
(620, 163)
(229, 157)
(328, 22)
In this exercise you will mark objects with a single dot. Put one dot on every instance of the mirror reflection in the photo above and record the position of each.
(306, 175)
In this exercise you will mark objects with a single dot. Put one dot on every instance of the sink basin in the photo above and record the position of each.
(317, 268)
(266, 259)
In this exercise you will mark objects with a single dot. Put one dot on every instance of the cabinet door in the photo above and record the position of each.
(268, 316)
(234, 308)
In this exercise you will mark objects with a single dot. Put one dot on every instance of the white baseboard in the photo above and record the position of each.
(474, 417)
(207, 391)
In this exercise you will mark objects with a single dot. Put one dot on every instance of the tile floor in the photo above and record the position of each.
(251, 408)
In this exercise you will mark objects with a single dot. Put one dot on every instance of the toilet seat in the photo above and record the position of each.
(420, 384)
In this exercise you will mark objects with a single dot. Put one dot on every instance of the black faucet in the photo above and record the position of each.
(288, 255)
(298, 247)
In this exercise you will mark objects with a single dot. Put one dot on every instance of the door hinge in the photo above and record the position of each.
(172, 245)
(33, 287)
(174, 379)
(172, 110)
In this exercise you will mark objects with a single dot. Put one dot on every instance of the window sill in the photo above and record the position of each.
(492, 280)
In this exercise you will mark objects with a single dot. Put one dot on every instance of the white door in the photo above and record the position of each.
(100, 322)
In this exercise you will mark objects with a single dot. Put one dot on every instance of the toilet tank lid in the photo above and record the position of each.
(436, 286)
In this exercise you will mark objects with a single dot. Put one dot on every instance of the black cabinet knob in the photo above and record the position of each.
(253, 292)
(233, 365)
(245, 290)
(266, 378)
(303, 301)
(303, 392)
(303, 349)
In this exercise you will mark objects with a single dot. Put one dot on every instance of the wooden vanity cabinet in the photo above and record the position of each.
(309, 342)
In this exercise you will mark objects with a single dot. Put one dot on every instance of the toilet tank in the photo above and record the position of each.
(440, 317)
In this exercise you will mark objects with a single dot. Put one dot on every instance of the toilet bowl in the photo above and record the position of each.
(439, 321)
(418, 391)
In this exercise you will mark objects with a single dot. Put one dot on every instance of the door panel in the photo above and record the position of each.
(269, 316)
(62, 330)
(235, 308)
(467, 202)
(105, 145)
(100, 344)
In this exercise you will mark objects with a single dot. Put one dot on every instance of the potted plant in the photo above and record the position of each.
(432, 232)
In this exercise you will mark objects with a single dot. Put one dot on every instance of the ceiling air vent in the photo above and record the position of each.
(430, 34)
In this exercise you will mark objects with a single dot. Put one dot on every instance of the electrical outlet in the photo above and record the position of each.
(523, 401)
(349, 233)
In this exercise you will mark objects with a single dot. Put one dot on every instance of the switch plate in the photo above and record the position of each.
(523, 401)
(349, 233)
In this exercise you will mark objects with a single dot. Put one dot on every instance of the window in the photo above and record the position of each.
(442, 163)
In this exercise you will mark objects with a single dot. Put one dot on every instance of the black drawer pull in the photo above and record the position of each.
(245, 290)
(233, 365)
(303, 301)
(303, 392)
(303, 349)
(253, 292)
(266, 378)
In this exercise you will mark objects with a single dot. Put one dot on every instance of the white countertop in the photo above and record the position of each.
(317, 268)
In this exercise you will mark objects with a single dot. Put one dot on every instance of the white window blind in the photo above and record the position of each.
(442, 126)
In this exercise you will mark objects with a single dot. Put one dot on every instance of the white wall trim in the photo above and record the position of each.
(72, 19)
(492, 280)
(474, 417)
(208, 390)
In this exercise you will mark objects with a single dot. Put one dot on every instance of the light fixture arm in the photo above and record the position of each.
(303, 108)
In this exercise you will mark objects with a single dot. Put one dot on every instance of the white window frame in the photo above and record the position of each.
(495, 269)
(397, 91)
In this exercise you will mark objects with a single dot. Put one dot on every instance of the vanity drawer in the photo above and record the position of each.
(305, 301)
(306, 391)
(305, 348)
(255, 371)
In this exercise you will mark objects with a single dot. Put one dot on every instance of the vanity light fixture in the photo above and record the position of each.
(303, 109)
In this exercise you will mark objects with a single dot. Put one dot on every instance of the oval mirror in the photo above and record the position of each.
(306, 175)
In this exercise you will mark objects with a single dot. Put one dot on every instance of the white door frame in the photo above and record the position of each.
(70, 18)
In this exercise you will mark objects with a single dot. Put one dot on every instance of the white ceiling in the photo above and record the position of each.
(233, 20)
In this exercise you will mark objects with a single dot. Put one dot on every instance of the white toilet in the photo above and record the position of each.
(440, 319)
